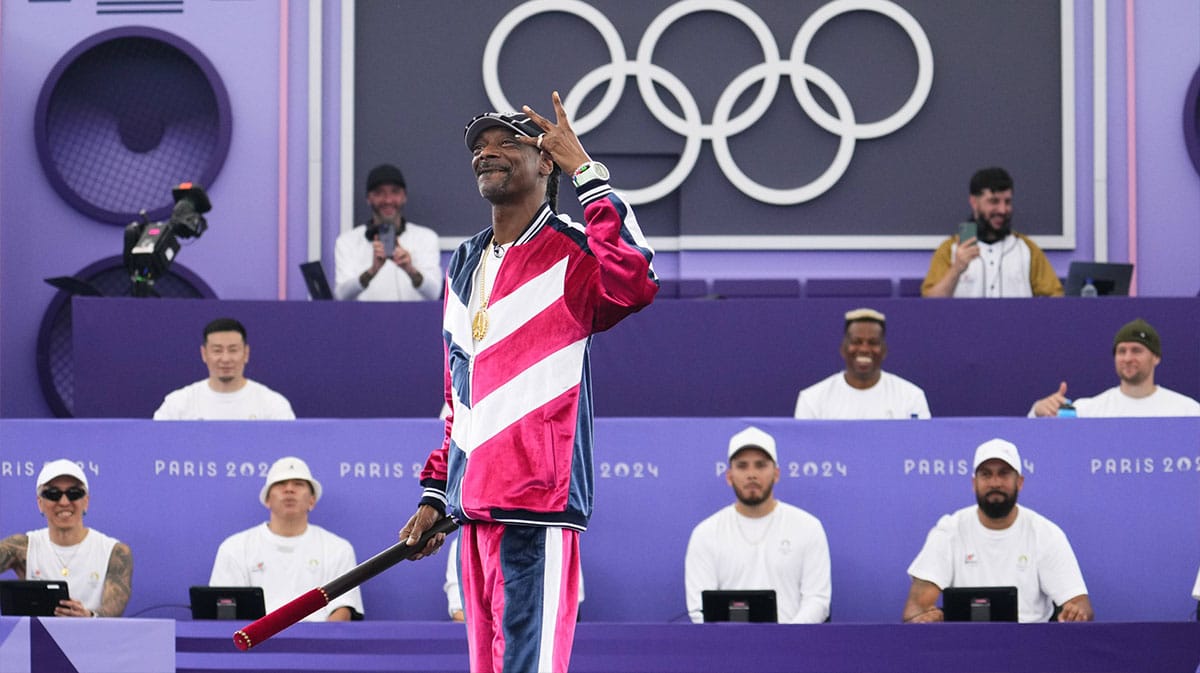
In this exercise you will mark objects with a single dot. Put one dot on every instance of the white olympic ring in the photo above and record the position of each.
(721, 128)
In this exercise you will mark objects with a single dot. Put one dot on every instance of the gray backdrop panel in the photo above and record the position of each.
(996, 99)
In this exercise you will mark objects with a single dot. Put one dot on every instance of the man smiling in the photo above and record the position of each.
(367, 270)
(1137, 352)
(863, 391)
(524, 298)
(226, 395)
(98, 569)
(988, 258)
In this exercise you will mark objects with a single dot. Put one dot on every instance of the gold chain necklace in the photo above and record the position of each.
(66, 567)
(479, 324)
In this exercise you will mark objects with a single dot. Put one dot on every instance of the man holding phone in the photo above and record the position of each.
(987, 258)
(387, 258)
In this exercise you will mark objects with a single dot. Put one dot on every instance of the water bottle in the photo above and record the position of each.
(1067, 410)
(1088, 289)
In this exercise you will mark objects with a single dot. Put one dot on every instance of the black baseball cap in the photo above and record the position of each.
(385, 174)
(521, 124)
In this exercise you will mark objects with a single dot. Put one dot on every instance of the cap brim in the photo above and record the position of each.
(522, 126)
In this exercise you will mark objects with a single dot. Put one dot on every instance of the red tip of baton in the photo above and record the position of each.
(242, 640)
(300, 607)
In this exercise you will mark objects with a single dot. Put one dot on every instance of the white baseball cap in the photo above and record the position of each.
(1000, 449)
(61, 468)
(754, 438)
(287, 468)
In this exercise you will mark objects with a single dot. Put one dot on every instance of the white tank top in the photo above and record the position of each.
(83, 566)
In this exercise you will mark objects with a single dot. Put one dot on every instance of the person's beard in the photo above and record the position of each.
(986, 233)
(1139, 377)
(396, 218)
(996, 509)
(767, 489)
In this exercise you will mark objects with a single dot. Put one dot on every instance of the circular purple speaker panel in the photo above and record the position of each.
(55, 345)
(1191, 120)
(126, 115)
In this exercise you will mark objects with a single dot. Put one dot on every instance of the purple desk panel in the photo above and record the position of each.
(732, 357)
(1125, 491)
(721, 648)
(55, 645)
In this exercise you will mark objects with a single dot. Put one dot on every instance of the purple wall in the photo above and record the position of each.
(41, 236)
(239, 257)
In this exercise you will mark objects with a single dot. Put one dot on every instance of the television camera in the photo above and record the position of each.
(151, 247)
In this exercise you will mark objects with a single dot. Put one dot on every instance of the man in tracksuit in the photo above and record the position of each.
(523, 299)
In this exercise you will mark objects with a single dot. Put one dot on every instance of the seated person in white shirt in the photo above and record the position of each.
(226, 395)
(98, 569)
(365, 270)
(760, 542)
(997, 543)
(288, 556)
(862, 390)
(1137, 351)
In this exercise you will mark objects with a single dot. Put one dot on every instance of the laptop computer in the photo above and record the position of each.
(31, 598)
(240, 603)
(979, 604)
(316, 280)
(739, 605)
(1109, 278)
(73, 285)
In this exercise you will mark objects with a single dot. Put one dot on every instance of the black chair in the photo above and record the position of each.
(910, 287)
(848, 287)
(756, 287)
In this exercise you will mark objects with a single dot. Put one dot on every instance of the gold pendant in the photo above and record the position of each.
(66, 571)
(479, 325)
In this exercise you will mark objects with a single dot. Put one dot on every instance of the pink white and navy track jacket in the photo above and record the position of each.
(518, 445)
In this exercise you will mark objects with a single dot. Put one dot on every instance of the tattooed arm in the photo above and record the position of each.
(12, 553)
(118, 583)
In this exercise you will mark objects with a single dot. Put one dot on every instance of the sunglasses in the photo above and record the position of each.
(54, 494)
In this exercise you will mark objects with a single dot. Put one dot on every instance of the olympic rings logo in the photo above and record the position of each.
(722, 127)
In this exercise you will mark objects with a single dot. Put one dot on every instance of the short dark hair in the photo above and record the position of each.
(224, 325)
(994, 179)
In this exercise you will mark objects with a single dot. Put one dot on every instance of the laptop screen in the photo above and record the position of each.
(980, 604)
(744, 605)
(315, 280)
(31, 598)
(241, 603)
(1108, 278)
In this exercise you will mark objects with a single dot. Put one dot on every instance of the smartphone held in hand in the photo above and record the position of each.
(387, 236)
(967, 230)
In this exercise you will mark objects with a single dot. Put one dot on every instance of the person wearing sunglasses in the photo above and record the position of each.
(98, 569)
